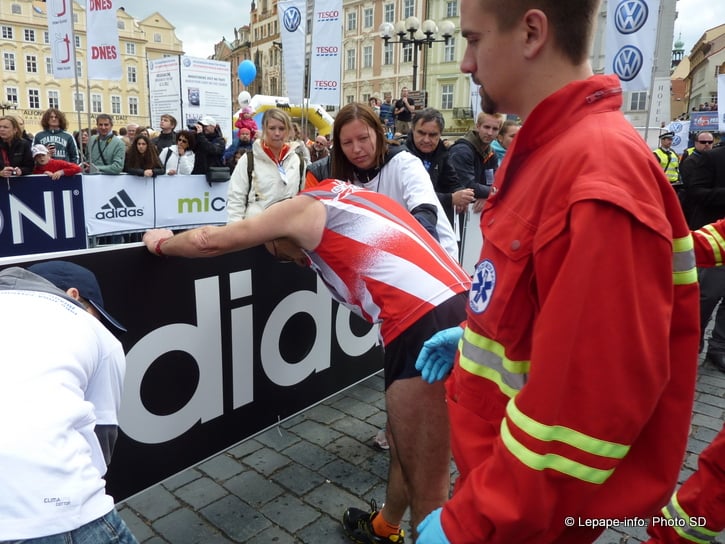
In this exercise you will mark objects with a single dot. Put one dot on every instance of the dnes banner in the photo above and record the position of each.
(631, 38)
(104, 57)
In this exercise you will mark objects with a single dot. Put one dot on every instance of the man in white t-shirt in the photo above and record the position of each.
(61, 380)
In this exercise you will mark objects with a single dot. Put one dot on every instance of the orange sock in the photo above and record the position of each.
(383, 528)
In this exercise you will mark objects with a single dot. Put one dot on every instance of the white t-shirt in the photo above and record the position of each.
(61, 373)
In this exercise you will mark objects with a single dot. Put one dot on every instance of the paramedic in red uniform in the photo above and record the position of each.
(571, 394)
(378, 260)
(702, 497)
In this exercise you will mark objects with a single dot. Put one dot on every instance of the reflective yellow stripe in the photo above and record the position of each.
(552, 461)
(683, 526)
(575, 439)
(486, 358)
(716, 242)
(683, 261)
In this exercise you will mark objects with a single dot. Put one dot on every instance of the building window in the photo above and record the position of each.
(130, 48)
(79, 101)
(350, 64)
(34, 99)
(46, 37)
(116, 105)
(367, 56)
(407, 53)
(132, 105)
(9, 61)
(349, 99)
(11, 93)
(638, 101)
(274, 86)
(352, 20)
(16, 10)
(77, 39)
(157, 37)
(449, 51)
(388, 53)
(29, 35)
(7, 32)
(368, 17)
(408, 8)
(96, 103)
(447, 96)
(121, 25)
(131, 72)
(31, 64)
(75, 18)
(452, 8)
(48, 65)
(389, 13)
(79, 69)
(54, 99)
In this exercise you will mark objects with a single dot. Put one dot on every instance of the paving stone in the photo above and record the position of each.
(362, 392)
(235, 519)
(351, 450)
(708, 410)
(154, 503)
(184, 526)
(135, 524)
(201, 492)
(245, 448)
(349, 476)
(333, 500)
(222, 467)
(182, 478)
(290, 513)
(355, 407)
(298, 479)
(253, 488)
(275, 535)
(326, 529)
(266, 461)
(706, 421)
(309, 455)
(315, 432)
(277, 438)
(361, 430)
(324, 414)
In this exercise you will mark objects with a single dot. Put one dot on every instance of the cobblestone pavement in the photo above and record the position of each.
(291, 483)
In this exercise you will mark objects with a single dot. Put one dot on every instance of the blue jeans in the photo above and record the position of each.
(110, 529)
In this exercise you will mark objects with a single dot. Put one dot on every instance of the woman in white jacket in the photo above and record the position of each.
(276, 172)
(179, 158)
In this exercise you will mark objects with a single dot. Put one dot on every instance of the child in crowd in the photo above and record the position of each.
(55, 168)
(246, 120)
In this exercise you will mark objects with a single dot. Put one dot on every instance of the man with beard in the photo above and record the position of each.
(579, 354)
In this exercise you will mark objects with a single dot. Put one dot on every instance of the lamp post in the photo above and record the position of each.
(7, 105)
(411, 32)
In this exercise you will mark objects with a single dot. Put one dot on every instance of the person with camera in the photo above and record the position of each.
(210, 146)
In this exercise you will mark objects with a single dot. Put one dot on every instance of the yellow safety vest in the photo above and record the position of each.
(670, 163)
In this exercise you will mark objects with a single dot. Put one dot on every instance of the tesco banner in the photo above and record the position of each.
(326, 57)
(220, 349)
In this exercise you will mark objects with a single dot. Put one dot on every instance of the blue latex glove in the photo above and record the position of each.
(430, 530)
(435, 360)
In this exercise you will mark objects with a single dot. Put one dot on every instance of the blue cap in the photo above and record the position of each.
(64, 275)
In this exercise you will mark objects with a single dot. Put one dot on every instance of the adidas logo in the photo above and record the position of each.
(120, 205)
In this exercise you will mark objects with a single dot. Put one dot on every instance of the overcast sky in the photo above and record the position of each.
(199, 24)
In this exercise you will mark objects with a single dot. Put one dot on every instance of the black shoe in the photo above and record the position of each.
(717, 360)
(358, 525)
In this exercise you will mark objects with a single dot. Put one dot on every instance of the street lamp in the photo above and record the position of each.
(410, 32)
(7, 105)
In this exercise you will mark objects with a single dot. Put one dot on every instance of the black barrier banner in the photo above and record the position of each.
(218, 350)
(39, 215)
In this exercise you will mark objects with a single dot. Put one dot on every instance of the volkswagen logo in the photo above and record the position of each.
(628, 62)
(676, 127)
(292, 19)
(630, 16)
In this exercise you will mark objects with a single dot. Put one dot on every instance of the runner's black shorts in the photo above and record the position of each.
(401, 353)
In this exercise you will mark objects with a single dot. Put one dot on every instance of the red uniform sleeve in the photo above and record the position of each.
(600, 362)
(710, 244)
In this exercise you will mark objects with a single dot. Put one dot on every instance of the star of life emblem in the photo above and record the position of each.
(482, 286)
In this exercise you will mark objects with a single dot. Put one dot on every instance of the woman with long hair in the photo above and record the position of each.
(363, 156)
(16, 158)
(142, 158)
(179, 158)
(276, 172)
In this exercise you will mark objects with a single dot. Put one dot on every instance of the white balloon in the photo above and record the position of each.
(244, 98)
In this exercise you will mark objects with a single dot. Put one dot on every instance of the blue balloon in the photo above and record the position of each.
(247, 71)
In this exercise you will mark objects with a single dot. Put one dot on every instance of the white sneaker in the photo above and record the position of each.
(381, 441)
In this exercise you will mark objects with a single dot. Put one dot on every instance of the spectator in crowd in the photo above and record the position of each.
(243, 143)
(167, 136)
(301, 138)
(210, 145)
(382, 264)
(318, 150)
(387, 117)
(374, 103)
(106, 153)
(703, 142)
(15, 156)
(25, 135)
(179, 158)
(424, 141)
(232, 162)
(246, 120)
(142, 159)
(55, 168)
(363, 156)
(276, 170)
(54, 136)
(705, 197)
(504, 139)
(60, 391)
(567, 376)
(131, 129)
(668, 159)
(81, 138)
(403, 111)
(474, 159)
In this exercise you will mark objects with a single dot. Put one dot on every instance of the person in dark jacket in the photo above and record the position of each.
(210, 145)
(142, 158)
(424, 141)
(16, 158)
(167, 136)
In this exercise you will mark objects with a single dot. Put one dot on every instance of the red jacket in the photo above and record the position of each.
(571, 397)
(54, 165)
